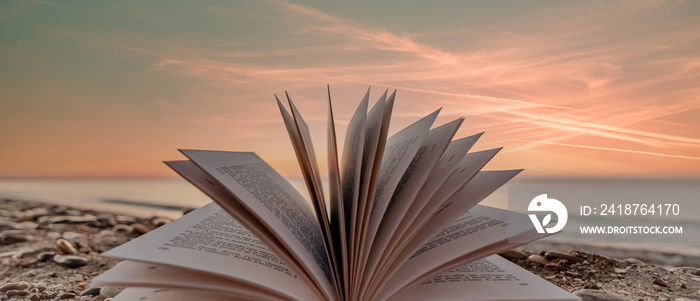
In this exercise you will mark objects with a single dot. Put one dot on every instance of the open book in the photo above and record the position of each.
(398, 220)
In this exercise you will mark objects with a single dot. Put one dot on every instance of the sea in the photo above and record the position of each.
(169, 197)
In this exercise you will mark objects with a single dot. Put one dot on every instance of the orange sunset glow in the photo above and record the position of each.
(568, 88)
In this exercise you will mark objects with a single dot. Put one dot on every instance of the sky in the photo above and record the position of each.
(568, 88)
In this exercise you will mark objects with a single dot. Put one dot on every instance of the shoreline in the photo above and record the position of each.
(50, 251)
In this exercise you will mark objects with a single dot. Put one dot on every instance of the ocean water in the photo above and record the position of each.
(167, 197)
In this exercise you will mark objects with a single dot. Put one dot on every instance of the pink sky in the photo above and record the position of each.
(569, 89)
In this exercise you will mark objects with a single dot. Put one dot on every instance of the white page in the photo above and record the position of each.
(312, 176)
(209, 240)
(480, 232)
(276, 203)
(399, 152)
(140, 274)
(464, 172)
(161, 294)
(350, 172)
(424, 161)
(338, 231)
(204, 182)
(373, 130)
(481, 185)
(452, 156)
(489, 279)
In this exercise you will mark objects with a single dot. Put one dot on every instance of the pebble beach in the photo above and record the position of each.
(51, 252)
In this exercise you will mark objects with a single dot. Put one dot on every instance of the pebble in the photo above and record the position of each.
(110, 291)
(597, 295)
(660, 282)
(72, 219)
(71, 236)
(91, 291)
(34, 297)
(125, 219)
(66, 295)
(537, 259)
(9, 237)
(513, 255)
(45, 256)
(139, 229)
(27, 226)
(620, 271)
(12, 293)
(65, 247)
(70, 261)
(14, 286)
(121, 228)
(8, 225)
(556, 255)
(161, 220)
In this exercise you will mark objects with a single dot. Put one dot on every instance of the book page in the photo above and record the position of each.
(369, 169)
(447, 165)
(138, 274)
(211, 241)
(489, 279)
(312, 176)
(338, 234)
(458, 180)
(170, 294)
(400, 150)
(205, 183)
(275, 202)
(426, 157)
(479, 232)
(350, 172)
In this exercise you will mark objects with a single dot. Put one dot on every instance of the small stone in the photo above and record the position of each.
(597, 295)
(110, 291)
(20, 286)
(139, 229)
(45, 256)
(72, 219)
(161, 220)
(9, 237)
(623, 292)
(66, 295)
(8, 225)
(71, 236)
(660, 282)
(39, 212)
(682, 286)
(34, 297)
(53, 235)
(27, 226)
(91, 291)
(70, 261)
(537, 259)
(121, 228)
(556, 255)
(620, 271)
(634, 261)
(12, 293)
(513, 255)
(65, 247)
(125, 219)
(657, 287)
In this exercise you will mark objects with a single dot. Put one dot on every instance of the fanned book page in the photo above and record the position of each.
(400, 221)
